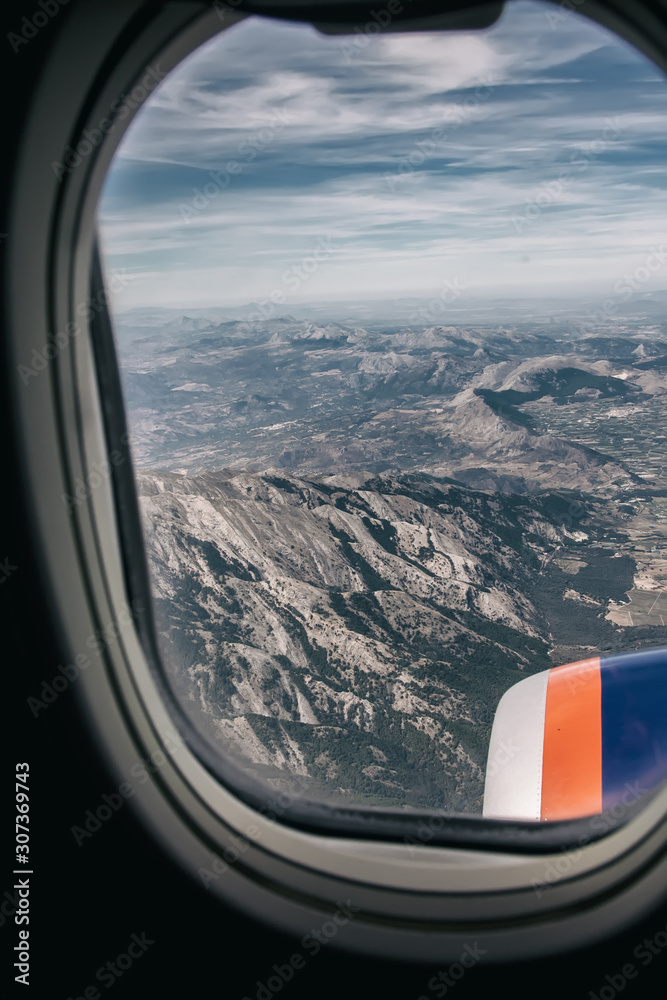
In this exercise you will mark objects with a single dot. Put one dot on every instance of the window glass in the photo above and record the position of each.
(390, 318)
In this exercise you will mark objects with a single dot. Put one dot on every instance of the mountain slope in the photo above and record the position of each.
(358, 631)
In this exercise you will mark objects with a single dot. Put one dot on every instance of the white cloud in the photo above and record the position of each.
(347, 124)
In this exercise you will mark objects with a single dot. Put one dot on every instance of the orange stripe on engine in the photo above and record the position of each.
(572, 756)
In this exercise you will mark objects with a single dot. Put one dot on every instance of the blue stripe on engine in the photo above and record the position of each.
(634, 724)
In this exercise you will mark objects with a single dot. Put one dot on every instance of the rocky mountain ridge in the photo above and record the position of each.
(356, 630)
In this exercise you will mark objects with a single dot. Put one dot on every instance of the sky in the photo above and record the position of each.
(276, 163)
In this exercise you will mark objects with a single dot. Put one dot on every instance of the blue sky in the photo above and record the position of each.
(541, 170)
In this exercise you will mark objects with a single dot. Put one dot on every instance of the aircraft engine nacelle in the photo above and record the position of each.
(575, 740)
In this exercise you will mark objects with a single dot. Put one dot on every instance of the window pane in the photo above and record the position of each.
(391, 327)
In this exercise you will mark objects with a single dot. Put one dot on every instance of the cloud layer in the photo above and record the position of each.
(528, 158)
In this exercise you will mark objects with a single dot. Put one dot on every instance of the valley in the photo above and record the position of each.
(360, 536)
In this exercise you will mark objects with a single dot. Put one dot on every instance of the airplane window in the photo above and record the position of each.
(393, 348)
